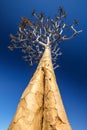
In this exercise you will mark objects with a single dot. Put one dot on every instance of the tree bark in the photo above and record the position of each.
(30, 109)
(41, 106)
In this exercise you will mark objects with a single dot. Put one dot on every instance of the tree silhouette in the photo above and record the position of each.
(34, 36)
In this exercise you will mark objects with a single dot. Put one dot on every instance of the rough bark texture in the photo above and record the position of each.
(30, 109)
(54, 113)
(41, 106)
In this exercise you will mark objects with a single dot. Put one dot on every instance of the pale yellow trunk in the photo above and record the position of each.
(30, 109)
(41, 106)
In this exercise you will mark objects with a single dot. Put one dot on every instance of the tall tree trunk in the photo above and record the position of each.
(41, 106)
(54, 113)
(30, 109)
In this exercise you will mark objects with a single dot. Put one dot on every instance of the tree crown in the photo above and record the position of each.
(33, 37)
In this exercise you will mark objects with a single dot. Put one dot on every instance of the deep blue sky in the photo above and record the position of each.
(72, 74)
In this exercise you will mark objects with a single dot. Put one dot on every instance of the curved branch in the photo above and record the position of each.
(40, 42)
(73, 35)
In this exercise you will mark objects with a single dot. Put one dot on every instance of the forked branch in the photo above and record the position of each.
(33, 37)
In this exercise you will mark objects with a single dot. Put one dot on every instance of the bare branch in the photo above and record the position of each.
(73, 35)
(41, 43)
(33, 37)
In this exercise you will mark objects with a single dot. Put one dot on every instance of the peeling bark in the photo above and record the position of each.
(30, 109)
(41, 106)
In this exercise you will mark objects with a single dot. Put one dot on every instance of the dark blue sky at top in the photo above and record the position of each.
(72, 74)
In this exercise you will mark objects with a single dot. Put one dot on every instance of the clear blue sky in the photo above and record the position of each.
(72, 74)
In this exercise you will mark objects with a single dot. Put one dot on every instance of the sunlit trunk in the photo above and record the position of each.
(41, 106)
(54, 113)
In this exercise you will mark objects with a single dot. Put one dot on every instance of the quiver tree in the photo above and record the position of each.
(34, 36)
(41, 107)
